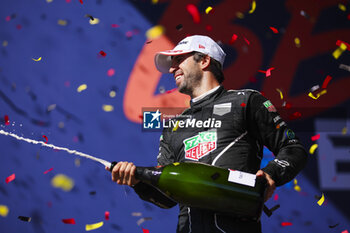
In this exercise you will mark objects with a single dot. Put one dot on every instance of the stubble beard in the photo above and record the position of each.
(190, 82)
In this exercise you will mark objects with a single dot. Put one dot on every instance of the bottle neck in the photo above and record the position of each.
(148, 175)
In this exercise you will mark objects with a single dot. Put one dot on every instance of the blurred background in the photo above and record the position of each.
(77, 73)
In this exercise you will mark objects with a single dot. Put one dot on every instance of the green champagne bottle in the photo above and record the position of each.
(208, 187)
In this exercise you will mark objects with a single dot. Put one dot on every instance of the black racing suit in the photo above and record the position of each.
(248, 122)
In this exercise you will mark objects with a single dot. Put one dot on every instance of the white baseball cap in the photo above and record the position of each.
(203, 44)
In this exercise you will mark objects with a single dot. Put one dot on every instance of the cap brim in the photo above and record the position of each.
(163, 59)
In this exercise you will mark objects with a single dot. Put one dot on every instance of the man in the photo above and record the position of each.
(248, 121)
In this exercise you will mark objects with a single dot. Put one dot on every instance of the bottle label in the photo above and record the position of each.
(242, 178)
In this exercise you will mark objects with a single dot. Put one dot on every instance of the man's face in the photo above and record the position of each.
(187, 73)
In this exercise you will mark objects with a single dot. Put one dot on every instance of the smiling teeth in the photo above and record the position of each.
(178, 77)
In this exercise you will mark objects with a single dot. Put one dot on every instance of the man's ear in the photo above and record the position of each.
(205, 62)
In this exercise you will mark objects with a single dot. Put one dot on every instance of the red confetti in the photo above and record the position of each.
(246, 40)
(283, 224)
(209, 28)
(68, 221)
(316, 137)
(192, 9)
(172, 90)
(10, 178)
(295, 116)
(233, 38)
(102, 53)
(339, 42)
(128, 34)
(45, 172)
(19, 27)
(110, 72)
(145, 230)
(7, 120)
(243, 104)
(275, 198)
(348, 16)
(8, 18)
(326, 81)
(68, 1)
(141, 117)
(346, 231)
(267, 72)
(45, 139)
(274, 30)
(115, 25)
(81, 1)
(107, 215)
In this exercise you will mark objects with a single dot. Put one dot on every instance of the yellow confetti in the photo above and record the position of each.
(336, 54)
(295, 181)
(39, 59)
(209, 8)
(49, 1)
(281, 95)
(313, 148)
(4, 210)
(297, 188)
(253, 7)
(63, 182)
(107, 108)
(318, 94)
(155, 32)
(176, 126)
(240, 15)
(81, 88)
(297, 42)
(94, 21)
(154, 1)
(344, 130)
(89, 227)
(320, 202)
(342, 7)
(112, 94)
(62, 22)
(5, 43)
(176, 163)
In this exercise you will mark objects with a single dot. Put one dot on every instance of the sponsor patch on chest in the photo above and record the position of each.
(200, 145)
(222, 109)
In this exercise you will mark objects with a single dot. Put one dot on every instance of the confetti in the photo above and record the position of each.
(81, 88)
(155, 32)
(49, 1)
(274, 30)
(192, 9)
(107, 215)
(111, 72)
(295, 115)
(233, 38)
(62, 181)
(267, 72)
(344, 67)
(253, 7)
(313, 148)
(339, 42)
(47, 171)
(89, 227)
(62, 22)
(136, 214)
(115, 25)
(39, 59)
(297, 42)
(336, 54)
(102, 53)
(141, 220)
(281, 95)
(342, 7)
(316, 137)
(170, 91)
(344, 130)
(145, 230)
(112, 94)
(90, 16)
(7, 120)
(275, 198)
(318, 94)
(297, 188)
(107, 108)
(314, 88)
(94, 21)
(326, 81)
(25, 219)
(154, 1)
(246, 40)
(320, 202)
(243, 105)
(176, 126)
(68, 221)
(209, 8)
(4, 210)
(240, 15)
(45, 139)
(303, 13)
(284, 224)
(346, 231)
(81, 1)
(10, 178)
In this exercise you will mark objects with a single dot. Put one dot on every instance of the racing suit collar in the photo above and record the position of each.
(211, 95)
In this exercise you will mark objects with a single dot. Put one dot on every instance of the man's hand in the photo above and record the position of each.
(271, 186)
(124, 173)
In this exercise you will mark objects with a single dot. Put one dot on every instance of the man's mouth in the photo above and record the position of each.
(178, 76)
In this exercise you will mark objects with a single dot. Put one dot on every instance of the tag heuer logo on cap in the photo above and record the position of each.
(269, 106)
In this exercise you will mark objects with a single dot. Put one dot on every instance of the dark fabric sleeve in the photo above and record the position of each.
(273, 132)
(150, 193)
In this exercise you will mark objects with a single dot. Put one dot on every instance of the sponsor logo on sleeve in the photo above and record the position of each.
(269, 106)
